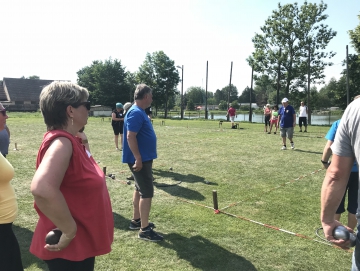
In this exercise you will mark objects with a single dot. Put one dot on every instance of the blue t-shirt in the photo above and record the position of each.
(137, 121)
(331, 136)
(287, 116)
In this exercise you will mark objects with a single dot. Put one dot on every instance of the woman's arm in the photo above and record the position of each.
(45, 187)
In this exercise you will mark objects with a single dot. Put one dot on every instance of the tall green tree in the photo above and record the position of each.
(196, 94)
(105, 81)
(245, 96)
(355, 37)
(232, 90)
(158, 71)
(285, 40)
(220, 96)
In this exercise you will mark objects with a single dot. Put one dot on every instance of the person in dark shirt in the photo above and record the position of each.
(117, 123)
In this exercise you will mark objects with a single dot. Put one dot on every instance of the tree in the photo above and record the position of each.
(263, 87)
(158, 71)
(196, 94)
(287, 35)
(220, 96)
(245, 96)
(33, 77)
(105, 82)
(190, 105)
(233, 93)
(355, 37)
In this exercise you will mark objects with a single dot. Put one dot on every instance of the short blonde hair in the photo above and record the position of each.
(55, 98)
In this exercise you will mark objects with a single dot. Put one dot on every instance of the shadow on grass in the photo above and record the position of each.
(121, 222)
(190, 178)
(178, 190)
(205, 255)
(314, 152)
(24, 237)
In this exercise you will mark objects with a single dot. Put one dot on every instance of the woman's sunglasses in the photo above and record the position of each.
(86, 104)
(3, 112)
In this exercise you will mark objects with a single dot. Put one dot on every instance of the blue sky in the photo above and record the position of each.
(54, 39)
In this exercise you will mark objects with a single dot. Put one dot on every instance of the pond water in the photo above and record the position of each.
(259, 118)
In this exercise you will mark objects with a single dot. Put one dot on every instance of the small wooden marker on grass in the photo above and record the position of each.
(104, 170)
(215, 202)
(16, 149)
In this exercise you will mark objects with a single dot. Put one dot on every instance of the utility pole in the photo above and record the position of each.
(308, 92)
(278, 81)
(347, 76)
(250, 102)
(228, 103)
(206, 111)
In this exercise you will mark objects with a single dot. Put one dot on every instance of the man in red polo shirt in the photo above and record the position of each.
(232, 115)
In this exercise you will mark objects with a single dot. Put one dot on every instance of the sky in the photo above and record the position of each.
(54, 39)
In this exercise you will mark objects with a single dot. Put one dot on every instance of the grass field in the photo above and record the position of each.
(253, 178)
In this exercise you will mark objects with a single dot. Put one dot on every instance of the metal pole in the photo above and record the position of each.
(252, 76)
(182, 93)
(206, 112)
(278, 82)
(228, 105)
(308, 93)
(347, 77)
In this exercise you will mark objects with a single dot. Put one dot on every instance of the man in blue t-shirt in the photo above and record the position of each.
(287, 121)
(353, 182)
(139, 152)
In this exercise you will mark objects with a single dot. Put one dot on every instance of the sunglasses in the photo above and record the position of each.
(3, 112)
(86, 104)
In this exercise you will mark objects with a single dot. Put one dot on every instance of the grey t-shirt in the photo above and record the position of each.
(347, 139)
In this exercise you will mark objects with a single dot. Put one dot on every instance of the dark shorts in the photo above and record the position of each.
(267, 120)
(352, 192)
(302, 120)
(59, 264)
(144, 179)
(117, 129)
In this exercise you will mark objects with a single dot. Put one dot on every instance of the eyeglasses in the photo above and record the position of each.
(3, 112)
(86, 104)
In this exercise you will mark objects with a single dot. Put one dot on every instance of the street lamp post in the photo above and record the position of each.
(182, 89)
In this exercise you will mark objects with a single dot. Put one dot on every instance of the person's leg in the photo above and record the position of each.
(300, 124)
(145, 206)
(136, 202)
(10, 257)
(352, 191)
(116, 141)
(305, 124)
(290, 134)
(121, 140)
(62, 264)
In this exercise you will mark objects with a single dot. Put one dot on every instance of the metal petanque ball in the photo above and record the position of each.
(113, 177)
(170, 168)
(207, 182)
(53, 237)
(128, 182)
(109, 175)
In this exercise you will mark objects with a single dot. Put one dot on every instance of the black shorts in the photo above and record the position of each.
(144, 179)
(302, 120)
(117, 129)
(267, 120)
(352, 192)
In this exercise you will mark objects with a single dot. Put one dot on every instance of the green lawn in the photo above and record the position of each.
(253, 178)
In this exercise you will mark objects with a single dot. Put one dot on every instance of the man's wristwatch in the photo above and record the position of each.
(324, 162)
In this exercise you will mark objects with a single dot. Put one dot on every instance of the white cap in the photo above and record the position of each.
(285, 100)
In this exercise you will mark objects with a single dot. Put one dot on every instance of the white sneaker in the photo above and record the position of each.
(292, 145)
(283, 148)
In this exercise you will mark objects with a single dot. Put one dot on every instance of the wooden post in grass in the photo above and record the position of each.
(215, 200)
(15, 147)
(104, 170)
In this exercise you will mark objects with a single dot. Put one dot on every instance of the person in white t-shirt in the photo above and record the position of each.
(303, 112)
